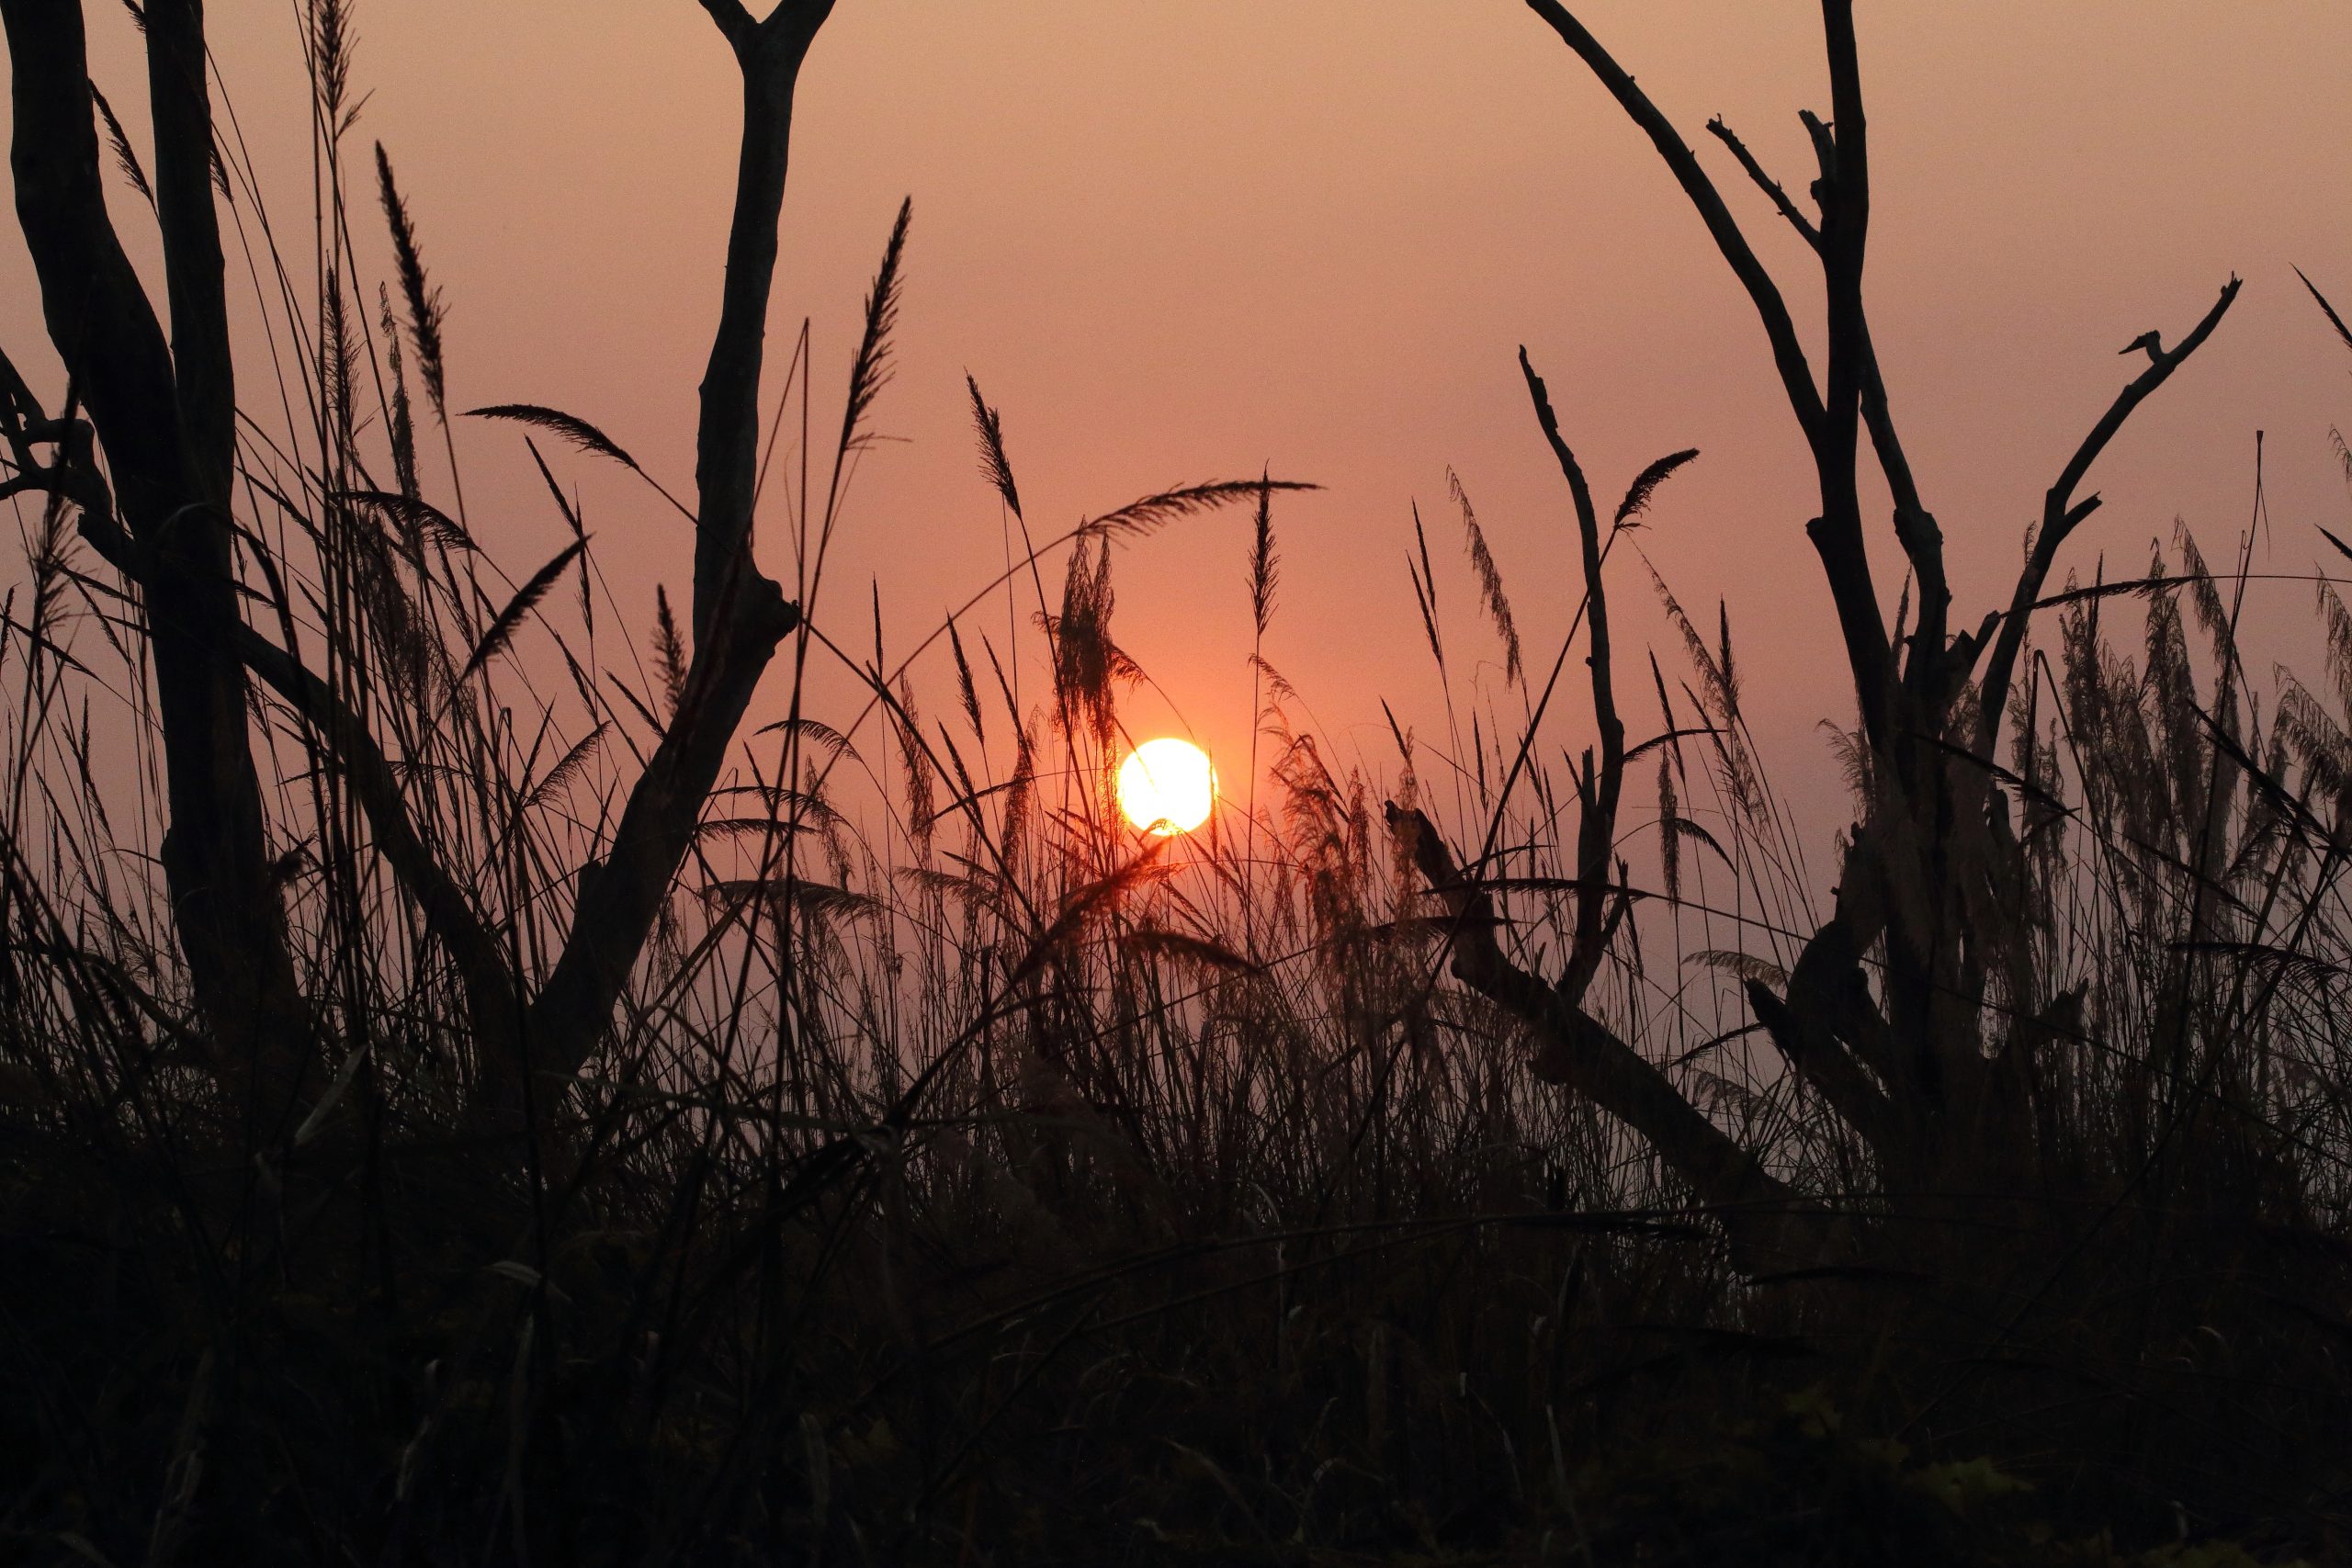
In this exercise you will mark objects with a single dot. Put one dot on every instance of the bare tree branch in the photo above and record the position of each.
(1788, 353)
(2061, 513)
(733, 21)
(740, 613)
(1576, 1049)
(492, 1001)
(1766, 183)
(1829, 431)
(1836, 534)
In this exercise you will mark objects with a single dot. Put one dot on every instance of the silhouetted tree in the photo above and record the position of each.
(164, 418)
(1929, 886)
(162, 427)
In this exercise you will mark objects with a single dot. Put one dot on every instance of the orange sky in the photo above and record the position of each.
(1179, 239)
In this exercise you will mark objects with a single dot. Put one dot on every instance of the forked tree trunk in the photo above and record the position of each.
(166, 419)
(740, 613)
(165, 415)
(1903, 1059)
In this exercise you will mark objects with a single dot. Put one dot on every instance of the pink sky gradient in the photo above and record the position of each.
(1179, 240)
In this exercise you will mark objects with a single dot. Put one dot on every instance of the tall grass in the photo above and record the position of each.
(968, 1178)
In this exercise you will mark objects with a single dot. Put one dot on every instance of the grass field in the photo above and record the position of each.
(573, 1097)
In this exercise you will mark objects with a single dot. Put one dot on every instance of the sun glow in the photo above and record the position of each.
(1167, 787)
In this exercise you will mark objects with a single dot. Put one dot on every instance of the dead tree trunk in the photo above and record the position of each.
(1900, 1055)
(166, 416)
(1770, 1226)
(740, 613)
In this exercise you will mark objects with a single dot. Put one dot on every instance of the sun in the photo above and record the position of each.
(1167, 787)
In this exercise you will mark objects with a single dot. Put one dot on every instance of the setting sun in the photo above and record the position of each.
(1167, 787)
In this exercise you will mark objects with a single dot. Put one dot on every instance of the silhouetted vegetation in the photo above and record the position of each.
(474, 1086)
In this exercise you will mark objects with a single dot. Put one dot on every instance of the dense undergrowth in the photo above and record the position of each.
(967, 1177)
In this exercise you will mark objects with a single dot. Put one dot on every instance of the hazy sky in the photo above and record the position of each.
(1179, 239)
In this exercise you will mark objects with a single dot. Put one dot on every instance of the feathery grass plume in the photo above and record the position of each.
(120, 140)
(1086, 661)
(581, 434)
(417, 517)
(1853, 756)
(2085, 692)
(921, 797)
(1669, 805)
(577, 430)
(1278, 689)
(1160, 940)
(340, 360)
(963, 683)
(1711, 674)
(814, 732)
(1644, 485)
(1421, 543)
(2338, 622)
(1151, 512)
(870, 371)
(1730, 673)
(1425, 591)
(1018, 791)
(809, 807)
(1084, 903)
(711, 829)
(2204, 593)
(974, 890)
(812, 902)
(1684, 828)
(1717, 700)
(669, 653)
(1746, 966)
(569, 771)
(989, 426)
(427, 310)
(1404, 747)
(1003, 686)
(2313, 738)
(500, 629)
(1668, 735)
(138, 13)
(2334, 320)
(1491, 579)
(402, 433)
(328, 40)
(1311, 797)
(1265, 566)
(965, 789)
